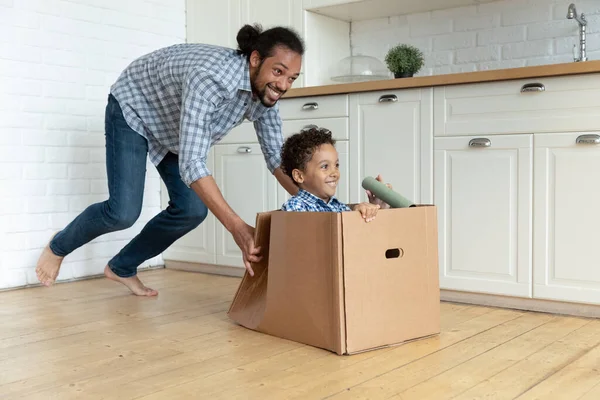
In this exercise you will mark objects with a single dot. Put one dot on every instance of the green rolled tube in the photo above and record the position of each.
(381, 191)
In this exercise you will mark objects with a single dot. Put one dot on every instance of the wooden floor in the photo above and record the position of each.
(92, 340)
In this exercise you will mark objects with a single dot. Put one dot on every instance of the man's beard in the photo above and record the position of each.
(261, 94)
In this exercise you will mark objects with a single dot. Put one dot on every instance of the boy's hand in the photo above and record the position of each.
(375, 200)
(367, 210)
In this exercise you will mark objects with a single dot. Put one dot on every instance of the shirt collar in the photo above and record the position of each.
(311, 198)
(245, 81)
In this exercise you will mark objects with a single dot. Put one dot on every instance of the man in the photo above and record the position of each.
(173, 105)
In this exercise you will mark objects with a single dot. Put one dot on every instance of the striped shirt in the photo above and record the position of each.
(305, 201)
(185, 98)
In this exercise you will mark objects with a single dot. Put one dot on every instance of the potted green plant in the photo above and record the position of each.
(404, 60)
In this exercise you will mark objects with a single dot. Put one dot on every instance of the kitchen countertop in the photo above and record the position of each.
(571, 68)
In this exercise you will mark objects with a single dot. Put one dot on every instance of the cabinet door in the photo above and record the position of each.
(197, 246)
(213, 22)
(270, 13)
(567, 221)
(483, 193)
(343, 190)
(248, 187)
(391, 134)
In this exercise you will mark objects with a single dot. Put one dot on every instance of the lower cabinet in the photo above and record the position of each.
(518, 215)
(392, 135)
(483, 192)
(248, 187)
(517, 212)
(567, 217)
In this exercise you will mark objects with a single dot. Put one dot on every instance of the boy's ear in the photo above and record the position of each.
(298, 176)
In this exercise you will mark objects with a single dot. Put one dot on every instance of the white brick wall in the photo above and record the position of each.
(502, 34)
(57, 62)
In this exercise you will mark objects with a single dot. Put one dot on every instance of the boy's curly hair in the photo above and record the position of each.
(299, 148)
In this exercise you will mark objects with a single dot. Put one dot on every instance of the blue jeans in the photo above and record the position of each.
(126, 153)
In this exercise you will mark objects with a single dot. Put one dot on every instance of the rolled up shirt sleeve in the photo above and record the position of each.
(200, 99)
(269, 130)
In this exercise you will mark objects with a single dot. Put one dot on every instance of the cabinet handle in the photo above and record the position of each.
(480, 142)
(533, 87)
(244, 149)
(310, 106)
(310, 126)
(588, 139)
(388, 98)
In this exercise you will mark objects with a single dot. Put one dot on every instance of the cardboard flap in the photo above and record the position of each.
(304, 297)
(390, 276)
(250, 300)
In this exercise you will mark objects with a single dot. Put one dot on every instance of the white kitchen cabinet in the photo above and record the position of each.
(483, 192)
(391, 134)
(270, 13)
(199, 245)
(247, 186)
(567, 222)
(219, 22)
(213, 22)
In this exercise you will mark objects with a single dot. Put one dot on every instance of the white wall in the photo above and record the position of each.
(503, 34)
(57, 62)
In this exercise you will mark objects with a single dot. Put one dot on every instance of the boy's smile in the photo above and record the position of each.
(322, 173)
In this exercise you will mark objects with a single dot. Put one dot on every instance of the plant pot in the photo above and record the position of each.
(403, 74)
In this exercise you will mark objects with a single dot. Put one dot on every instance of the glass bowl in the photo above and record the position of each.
(359, 69)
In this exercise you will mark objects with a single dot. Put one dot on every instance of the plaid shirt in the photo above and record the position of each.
(185, 98)
(305, 201)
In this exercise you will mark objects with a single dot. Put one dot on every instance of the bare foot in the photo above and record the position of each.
(133, 283)
(48, 266)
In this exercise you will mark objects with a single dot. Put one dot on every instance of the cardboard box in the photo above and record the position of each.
(334, 281)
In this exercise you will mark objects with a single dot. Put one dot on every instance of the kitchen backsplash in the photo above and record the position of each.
(503, 34)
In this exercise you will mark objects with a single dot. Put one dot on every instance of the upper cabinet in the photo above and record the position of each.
(357, 10)
(219, 22)
(213, 22)
(270, 13)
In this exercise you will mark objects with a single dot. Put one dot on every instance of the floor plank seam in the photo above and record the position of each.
(589, 391)
(427, 355)
(518, 361)
(557, 370)
(474, 357)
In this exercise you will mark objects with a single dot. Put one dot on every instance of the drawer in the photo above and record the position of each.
(337, 126)
(566, 103)
(245, 133)
(314, 107)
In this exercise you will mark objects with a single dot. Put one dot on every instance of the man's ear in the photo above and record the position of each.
(255, 59)
(298, 176)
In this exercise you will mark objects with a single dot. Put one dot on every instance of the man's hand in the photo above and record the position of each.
(243, 234)
(375, 200)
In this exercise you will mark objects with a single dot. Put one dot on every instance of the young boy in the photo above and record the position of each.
(311, 160)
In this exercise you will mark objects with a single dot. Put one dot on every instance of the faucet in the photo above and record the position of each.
(572, 14)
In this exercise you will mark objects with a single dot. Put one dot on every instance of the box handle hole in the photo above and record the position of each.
(394, 253)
